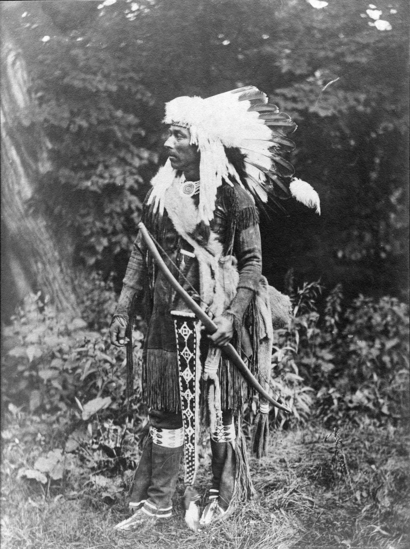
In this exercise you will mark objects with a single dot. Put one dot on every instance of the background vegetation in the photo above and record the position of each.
(82, 99)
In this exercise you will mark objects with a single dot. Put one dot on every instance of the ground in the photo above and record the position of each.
(317, 488)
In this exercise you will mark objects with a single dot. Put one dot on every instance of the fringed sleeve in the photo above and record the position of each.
(136, 279)
(246, 246)
(136, 268)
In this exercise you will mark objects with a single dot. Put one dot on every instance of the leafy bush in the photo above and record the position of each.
(289, 380)
(355, 357)
(50, 361)
(96, 298)
(376, 351)
(36, 448)
(55, 368)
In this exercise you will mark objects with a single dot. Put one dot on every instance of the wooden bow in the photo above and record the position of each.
(209, 325)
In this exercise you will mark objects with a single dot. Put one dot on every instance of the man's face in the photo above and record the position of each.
(182, 154)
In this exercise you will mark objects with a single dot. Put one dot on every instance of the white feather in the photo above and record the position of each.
(305, 193)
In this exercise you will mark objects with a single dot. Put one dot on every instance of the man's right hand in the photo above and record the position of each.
(117, 332)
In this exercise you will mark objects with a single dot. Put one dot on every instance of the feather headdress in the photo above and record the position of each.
(242, 119)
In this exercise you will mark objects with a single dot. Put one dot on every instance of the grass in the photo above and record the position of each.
(316, 489)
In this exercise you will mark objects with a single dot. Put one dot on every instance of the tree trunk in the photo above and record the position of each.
(31, 258)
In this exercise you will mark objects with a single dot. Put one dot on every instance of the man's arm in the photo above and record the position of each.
(247, 249)
(132, 289)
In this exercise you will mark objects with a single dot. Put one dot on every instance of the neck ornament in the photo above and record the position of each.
(189, 188)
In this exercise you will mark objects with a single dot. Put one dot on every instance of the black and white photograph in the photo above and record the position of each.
(205, 277)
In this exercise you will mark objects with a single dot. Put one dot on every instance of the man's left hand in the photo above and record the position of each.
(225, 330)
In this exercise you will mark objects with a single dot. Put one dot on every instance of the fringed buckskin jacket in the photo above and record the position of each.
(196, 255)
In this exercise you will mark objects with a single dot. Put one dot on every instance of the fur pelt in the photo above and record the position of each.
(281, 308)
(218, 275)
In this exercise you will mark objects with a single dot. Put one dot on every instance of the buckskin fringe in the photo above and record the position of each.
(247, 217)
(160, 380)
(241, 219)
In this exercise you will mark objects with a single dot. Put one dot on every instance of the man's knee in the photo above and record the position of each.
(161, 419)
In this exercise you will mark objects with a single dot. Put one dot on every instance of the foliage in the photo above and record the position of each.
(51, 360)
(55, 461)
(355, 358)
(350, 112)
(96, 298)
(57, 366)
(377, 352)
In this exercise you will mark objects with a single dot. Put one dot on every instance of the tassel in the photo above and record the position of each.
(129, 392)
(261, 435)
(210, 374)
(244, 489)
(191, 497)
(130, 365)
(214, 406)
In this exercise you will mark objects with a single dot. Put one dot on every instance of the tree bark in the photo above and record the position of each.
(31, 257)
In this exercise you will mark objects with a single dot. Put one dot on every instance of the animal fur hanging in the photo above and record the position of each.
(218, 274)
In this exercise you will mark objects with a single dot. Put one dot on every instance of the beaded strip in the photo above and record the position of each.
(224, 433)
(170, 438)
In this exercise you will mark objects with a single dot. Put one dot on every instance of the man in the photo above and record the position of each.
(224, 154)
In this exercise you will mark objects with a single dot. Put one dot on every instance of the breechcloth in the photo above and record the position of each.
(168, 420)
